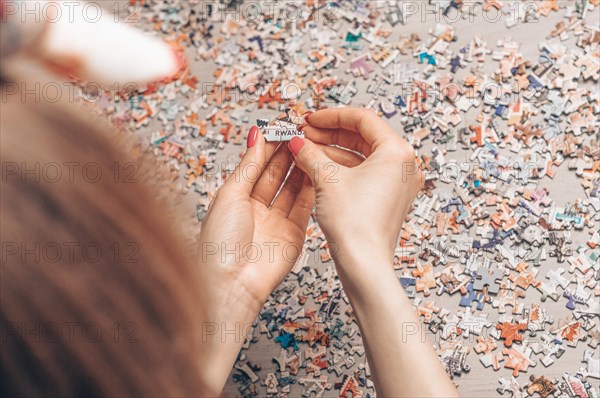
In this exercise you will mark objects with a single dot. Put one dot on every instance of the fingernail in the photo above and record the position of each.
(299, 128)
(306, 115)
(295, 145)
(252, 137)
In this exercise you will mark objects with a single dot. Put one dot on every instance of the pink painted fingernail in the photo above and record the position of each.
(252, 137)
(299, 128)
(306, 115)
(296, 145)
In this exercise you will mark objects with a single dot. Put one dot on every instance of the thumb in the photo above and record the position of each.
(310, 158)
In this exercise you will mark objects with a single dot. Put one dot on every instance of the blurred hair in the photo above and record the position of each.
(142, 293)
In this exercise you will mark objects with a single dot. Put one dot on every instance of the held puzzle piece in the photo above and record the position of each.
(283, 128)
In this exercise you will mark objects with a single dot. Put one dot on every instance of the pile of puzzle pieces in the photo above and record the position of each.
(491, 128)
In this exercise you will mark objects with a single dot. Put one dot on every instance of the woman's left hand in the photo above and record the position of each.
(255, 227)
(250, 240)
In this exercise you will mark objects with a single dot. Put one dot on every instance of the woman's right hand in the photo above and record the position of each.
(360, 209)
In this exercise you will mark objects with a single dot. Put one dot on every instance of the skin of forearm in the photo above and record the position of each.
(223, 335)
(402, 361)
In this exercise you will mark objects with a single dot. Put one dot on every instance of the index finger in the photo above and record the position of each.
(360, 120)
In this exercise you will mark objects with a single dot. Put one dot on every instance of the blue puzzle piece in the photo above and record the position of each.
(407, 281)
(257, 39)
(455, 64)
(351, 37)
(573, 299)
(500, 110)
(428, 57)
(399, 101)
(286, 381)
(533, 81)
(491, 243)
(471, 296)
(481, 300)
(287, 340)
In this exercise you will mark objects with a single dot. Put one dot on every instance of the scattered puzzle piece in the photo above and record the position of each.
(486, 346)
(593, 365)
(518, 359)
(540, 385)
(509, 331)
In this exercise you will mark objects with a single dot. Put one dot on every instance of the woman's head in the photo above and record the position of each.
(98, 293)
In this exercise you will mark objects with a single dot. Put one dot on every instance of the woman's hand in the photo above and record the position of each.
(361, 211)
(253, 232)
(360, 208)
(251, 237)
